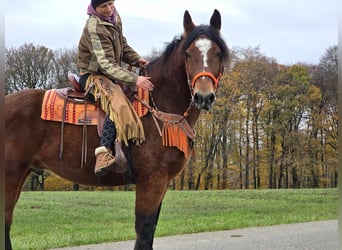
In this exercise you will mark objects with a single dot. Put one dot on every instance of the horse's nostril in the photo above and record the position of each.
(198, 98)
(214, 98)
(211, 98)
(204, 101)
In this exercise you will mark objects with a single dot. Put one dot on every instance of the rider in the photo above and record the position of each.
(101, 50)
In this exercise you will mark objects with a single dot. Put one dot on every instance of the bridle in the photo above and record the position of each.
(192, 82)
(216, 80)
(176, 126)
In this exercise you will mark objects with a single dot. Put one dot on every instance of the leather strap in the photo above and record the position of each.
(62, 126)
(169, 118)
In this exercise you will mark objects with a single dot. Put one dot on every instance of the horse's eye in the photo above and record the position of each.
(219, 55)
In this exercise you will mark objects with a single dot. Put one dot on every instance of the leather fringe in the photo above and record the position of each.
(174, 136)
(119, 109)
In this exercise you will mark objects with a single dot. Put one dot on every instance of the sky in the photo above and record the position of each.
(290, 31)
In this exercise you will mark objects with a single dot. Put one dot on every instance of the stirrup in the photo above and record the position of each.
(120, 159)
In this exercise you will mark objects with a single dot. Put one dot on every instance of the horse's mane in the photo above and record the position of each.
(207, 30)
(170, 47)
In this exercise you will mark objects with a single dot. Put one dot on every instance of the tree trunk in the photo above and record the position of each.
(76, 187)
(247, 148)
(191, 176)
(224, 178)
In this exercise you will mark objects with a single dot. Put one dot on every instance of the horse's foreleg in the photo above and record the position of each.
(15, 179)
(145, 226)
(149, 196)
(8, 245)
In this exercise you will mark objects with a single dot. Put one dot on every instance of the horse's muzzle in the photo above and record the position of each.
(204, 100)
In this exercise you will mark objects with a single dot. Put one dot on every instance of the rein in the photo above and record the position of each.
(176, 129)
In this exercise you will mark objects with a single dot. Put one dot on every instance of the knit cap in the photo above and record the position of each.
(96, 3)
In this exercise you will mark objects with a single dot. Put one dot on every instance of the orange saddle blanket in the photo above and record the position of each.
(76, 113)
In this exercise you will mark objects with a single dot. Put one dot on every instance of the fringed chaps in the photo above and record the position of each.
(119, 109)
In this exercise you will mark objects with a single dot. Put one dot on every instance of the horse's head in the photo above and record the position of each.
(205, 54)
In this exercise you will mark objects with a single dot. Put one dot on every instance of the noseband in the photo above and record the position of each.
(215, 80)
(192, 83)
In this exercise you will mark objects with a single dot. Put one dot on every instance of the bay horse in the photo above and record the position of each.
(186, 77)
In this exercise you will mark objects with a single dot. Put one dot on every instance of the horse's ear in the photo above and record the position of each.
(188, 24)
(215, 20)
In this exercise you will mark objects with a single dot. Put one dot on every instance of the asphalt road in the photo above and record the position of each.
(320, 235)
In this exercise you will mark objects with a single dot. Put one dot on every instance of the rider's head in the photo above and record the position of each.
(96, 3)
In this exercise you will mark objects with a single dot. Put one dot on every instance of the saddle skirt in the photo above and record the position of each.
(69, 106)
(72, 110)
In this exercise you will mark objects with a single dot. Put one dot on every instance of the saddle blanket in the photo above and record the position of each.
(53, 106)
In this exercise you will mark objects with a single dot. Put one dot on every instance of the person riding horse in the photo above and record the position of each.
(101, 50)
(185, 77)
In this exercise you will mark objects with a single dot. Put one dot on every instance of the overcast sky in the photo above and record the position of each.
(290, 31)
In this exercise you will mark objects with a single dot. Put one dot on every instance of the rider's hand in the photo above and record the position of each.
(142, 62)
(144, 82)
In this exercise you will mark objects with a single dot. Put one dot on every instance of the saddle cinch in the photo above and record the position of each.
(69, 105)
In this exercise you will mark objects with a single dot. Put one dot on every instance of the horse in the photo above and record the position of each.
(186, 77)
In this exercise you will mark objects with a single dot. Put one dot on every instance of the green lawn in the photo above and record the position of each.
(44, 220)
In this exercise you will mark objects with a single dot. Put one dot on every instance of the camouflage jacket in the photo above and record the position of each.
(102, 48)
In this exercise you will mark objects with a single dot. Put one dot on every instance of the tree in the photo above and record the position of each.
(65, 63)
(253, 73)
(290, 105)
(29, 66)
(325, 127)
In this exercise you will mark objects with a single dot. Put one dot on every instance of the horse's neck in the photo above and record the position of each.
(172, 93)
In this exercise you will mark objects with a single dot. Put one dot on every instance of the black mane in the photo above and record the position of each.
(170, 47)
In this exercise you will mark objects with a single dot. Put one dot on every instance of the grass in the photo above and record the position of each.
(44, 220)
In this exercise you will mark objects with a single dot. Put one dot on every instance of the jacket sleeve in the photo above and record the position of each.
(103, 51)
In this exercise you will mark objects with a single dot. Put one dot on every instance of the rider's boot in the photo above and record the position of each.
(105, 161)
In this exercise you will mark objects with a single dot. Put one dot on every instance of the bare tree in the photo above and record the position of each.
(64, 64)
(29, 66)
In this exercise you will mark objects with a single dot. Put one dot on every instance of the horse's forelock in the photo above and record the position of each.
(210, 32)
